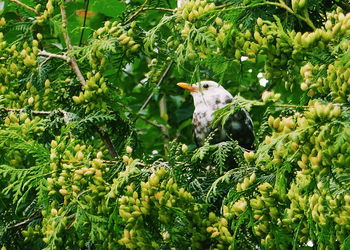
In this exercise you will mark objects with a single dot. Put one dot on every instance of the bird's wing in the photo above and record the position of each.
(239, 126)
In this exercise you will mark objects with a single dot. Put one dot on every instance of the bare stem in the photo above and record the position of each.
(254, 103)
(73, 61)
(133, 16)
(102, 131)
(282, 105)
(160, 126)
(51, 55)
(35, 112)
(24, 222)
(25, 6)
(158, 84)
(83, 162)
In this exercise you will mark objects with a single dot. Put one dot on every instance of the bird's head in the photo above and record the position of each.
(208, 93)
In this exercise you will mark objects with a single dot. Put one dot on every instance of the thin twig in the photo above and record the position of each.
(158, 84)
(281, 4)
(83, 162)
(38, 112)
(110, 162)
(102, 132)
(35, 112)
(25, 6)
(279, 105)
(51, 55)
(133, 16)
(73, 61)
(84, 23)
(24, 222)
(290, 106)
(287, 8)
(160, 126)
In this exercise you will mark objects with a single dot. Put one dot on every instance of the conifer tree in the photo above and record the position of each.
(96, 149)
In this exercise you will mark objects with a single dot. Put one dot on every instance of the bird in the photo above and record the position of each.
(209, 96)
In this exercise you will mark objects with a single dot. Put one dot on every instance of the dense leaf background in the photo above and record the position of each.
(96, 147)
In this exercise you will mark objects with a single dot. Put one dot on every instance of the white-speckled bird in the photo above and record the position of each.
(209, 96)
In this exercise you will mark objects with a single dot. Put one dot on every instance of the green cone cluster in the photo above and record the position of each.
(48, 12)
(193, 10)
(93, 93)
(158, 205)
(123, 42)
(66, 190)
(77, 174)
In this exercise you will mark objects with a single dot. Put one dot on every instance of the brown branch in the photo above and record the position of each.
(282, 105)
(133, 16)
(161, 163)
(254, 103)
(83, 162)
(51, 55)
(223, 6)
(23, 222)
(102, 131)
(290, 106)
(158, 84)
(110, 162)
(25, 6)
(73, 61)
(35, 112)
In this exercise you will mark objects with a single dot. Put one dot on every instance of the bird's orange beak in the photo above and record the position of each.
(187, 86)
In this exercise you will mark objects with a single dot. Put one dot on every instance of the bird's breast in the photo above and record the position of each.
(201, 124)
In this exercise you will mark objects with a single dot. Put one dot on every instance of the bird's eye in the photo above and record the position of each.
(205, 86)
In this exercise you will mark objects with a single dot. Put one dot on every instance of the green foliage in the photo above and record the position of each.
(95, 137)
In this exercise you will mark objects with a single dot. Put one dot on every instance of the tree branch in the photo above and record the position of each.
(253, 103)
(288, 9)
(84, 23)
(73, 61)
(84, 162)
(281, 4)
(24, 222)
(133, 16)
(158, 84)
(160, 126)
(51, 55)
(34, 112)
(102, 131)
(25, 6)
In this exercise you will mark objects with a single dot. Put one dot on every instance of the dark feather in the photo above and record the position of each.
(237, 127)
